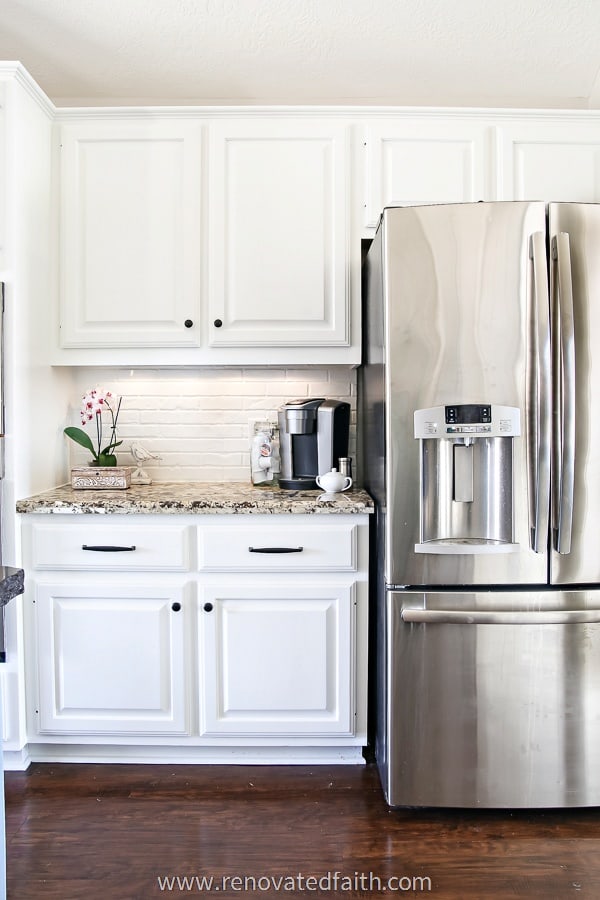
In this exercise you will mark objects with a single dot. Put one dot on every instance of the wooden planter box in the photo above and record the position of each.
(100, 478)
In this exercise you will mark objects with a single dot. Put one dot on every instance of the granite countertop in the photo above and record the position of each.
(11, 583)
(196, 497)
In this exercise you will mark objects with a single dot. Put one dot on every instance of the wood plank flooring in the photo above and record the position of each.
(85, 832)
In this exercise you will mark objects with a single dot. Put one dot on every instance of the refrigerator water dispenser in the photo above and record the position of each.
(466, 478)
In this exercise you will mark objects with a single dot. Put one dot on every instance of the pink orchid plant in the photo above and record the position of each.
(95, 402)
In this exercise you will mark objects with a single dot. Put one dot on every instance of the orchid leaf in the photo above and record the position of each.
(80, 437)
(106, 459)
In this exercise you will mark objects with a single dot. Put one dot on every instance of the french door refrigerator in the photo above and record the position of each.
(480, 438)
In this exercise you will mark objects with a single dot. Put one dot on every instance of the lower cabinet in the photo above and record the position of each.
(277, 659)
(210, 653)
(111, 659)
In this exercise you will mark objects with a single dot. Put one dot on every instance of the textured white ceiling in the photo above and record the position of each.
(533, 53)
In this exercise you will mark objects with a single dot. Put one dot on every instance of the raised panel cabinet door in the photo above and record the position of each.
(412, 160)
(110, 660)
(556, 160)
(278, 233)
(277, 659)
(130, 234)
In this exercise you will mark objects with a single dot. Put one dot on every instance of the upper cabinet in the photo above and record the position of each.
(430, 158)
(278, 231)
(233, 236)
(190, 240)
(550, 157)
(131, 242)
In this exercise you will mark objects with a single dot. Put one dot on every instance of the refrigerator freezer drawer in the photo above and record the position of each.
(482, 714)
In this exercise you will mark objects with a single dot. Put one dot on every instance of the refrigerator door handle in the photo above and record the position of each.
(563, 392)
(501, 617)
(539, 398)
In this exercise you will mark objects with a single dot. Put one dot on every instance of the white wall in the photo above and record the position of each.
(34, 393)
(197, 419)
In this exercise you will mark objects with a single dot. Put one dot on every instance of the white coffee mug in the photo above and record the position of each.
(334, 481)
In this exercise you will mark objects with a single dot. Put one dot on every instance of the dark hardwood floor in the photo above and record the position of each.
(119, 832)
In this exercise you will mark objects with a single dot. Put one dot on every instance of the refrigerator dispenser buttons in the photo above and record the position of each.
(468, 414)
(472, 418)
(466, 478)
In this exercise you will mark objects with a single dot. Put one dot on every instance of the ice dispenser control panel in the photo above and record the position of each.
(467, 420)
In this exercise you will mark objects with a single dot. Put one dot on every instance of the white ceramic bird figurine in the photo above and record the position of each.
(141, 455)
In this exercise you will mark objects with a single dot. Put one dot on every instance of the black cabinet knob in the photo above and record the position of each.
(208, 607)
(176, 607)
(218, 323)
(188, 323)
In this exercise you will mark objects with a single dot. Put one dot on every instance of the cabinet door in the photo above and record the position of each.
(130, 233)
(277, 659)
(412, 160)
(551, 160)
(278, 220)
(111, 660)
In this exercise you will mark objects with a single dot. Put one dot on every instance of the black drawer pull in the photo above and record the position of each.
(107, 548)
(208, 607)
(275, 549)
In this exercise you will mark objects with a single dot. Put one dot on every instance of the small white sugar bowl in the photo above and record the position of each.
(333, 482)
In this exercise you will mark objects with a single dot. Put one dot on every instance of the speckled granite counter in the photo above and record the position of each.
(11, 583)
(196, 497)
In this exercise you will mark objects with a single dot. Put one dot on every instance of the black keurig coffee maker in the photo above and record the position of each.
(313, 435)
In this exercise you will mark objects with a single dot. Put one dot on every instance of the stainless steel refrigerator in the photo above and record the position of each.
(480, 441)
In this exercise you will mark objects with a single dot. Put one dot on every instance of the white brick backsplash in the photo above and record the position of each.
(196, 419)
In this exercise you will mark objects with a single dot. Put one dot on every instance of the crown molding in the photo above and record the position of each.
(350, 112)
(17, 72)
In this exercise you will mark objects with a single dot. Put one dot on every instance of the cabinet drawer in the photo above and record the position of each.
(110, 547)
(281, 547)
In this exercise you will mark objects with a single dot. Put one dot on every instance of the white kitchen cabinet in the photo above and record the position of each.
(221, 237)
(278, 224)
(550, 157)
(130, 233)
(277, 658)
(108, 614)
(278, 628)
(110, 658)
(427, 158)
(206, 240)
(196, 637)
